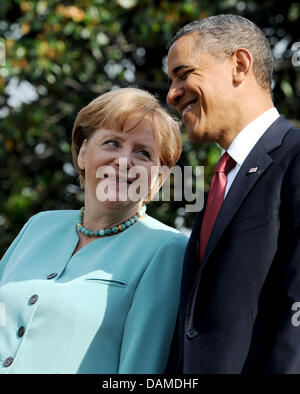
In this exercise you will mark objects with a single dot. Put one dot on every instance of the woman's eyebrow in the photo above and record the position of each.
(114, 134)
(143, 146)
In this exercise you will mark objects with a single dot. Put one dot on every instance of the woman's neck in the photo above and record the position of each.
(102, 216)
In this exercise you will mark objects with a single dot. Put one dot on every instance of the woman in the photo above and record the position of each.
(97, 291)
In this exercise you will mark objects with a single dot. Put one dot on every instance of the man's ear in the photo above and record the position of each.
(243, 62)
(81, 155)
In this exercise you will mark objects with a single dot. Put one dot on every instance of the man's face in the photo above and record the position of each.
(201, 90)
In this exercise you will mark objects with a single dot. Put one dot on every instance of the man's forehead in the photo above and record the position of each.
(185, 43)
(182, 54)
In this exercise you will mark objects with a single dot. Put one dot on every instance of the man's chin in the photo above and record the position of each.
(197, 136)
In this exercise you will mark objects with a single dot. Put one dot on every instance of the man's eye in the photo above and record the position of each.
(184, 76)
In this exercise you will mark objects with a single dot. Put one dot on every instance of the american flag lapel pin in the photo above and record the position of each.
(253, 170)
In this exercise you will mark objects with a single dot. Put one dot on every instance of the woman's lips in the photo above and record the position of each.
(119, 180)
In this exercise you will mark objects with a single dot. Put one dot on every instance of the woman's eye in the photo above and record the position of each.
(112, 143)
(145, 153)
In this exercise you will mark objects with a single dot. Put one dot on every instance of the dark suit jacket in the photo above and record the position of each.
(235, 314)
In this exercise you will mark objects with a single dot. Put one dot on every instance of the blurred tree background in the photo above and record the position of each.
(62, 54)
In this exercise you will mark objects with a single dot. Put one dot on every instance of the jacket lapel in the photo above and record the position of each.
(245, 181)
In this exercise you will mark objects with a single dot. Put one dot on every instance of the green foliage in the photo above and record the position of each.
(70, 52)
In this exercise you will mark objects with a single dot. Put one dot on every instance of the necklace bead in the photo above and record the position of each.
(110, 230)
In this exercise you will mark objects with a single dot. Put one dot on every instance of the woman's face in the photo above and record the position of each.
(120, 167)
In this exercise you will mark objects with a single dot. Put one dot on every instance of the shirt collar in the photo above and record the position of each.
(243, 143)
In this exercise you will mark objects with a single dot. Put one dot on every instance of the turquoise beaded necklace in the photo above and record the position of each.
(110, 230)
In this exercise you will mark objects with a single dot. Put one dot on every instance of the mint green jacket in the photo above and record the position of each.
(110, 308)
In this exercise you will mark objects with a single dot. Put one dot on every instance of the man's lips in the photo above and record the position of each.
(186, 107)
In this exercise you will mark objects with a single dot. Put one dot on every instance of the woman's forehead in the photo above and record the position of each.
(132, 126)
(139, 123)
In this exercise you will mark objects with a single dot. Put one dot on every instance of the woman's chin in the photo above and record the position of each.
(119, 204)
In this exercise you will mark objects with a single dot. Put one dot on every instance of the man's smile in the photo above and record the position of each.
(186, 107)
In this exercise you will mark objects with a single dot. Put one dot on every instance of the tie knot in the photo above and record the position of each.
(225, 164)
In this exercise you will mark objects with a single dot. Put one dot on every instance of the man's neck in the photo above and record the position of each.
(244, 115)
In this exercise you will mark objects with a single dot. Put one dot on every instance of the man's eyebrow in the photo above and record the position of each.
(179, 68)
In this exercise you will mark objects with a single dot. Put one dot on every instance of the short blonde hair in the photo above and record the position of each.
(112, 109)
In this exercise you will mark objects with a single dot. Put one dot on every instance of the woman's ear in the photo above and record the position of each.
(81, 155)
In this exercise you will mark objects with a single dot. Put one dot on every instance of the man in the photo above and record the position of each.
(241, 279)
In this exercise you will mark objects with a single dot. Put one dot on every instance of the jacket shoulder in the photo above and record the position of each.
(293, 135)
(55, 216)
(165, 232)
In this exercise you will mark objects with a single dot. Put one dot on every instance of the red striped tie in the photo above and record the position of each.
(215, 199)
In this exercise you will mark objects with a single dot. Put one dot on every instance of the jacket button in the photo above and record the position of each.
(33, 299)
(8, 361)
(192, 333)
(21, 331)
(51, 276)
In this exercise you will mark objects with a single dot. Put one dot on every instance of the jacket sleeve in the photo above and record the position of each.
(10, 250)
(285, 354)
(151, 319)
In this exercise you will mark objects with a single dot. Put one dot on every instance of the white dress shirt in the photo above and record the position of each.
(243, 143)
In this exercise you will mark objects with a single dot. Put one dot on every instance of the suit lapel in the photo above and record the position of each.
(236, 195)
(245, 181)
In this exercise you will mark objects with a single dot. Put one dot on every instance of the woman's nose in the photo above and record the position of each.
(124, 160)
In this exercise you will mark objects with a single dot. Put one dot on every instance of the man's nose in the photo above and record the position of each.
(174, 95)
